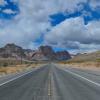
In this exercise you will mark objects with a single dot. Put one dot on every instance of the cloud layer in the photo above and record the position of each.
(73, 33)
(2, 2)
(33, 20)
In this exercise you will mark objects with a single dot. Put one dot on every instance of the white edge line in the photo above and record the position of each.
(16, 78)
(95, 83)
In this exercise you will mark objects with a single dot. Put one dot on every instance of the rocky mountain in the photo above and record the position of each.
(12, 51)
(43, 53)
(47, 53)
(63, 55)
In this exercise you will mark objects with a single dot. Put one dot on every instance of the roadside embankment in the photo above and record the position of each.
(92, 65)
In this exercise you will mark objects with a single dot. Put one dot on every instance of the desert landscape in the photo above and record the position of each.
(85, 61)
(14, 58)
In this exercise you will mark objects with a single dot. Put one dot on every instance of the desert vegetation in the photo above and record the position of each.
(89, 60)
(8, 66)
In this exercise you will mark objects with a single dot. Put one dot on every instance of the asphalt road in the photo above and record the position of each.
(51, 82)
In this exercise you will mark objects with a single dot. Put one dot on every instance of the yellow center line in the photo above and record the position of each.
(49, 86)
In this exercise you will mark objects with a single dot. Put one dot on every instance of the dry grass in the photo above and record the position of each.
(11, 62)
(8, 65)
(83, 65)
(17, 68)
(7, 70)
(89, 61)
(86, 64)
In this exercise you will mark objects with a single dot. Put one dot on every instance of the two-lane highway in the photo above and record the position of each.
(51, 82)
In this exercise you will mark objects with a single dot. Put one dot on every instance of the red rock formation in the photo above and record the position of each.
(47, 53)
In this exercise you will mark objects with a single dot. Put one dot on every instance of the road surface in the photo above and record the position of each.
(51, 82)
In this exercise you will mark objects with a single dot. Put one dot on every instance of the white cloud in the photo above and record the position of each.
(72, 33)
(9, 11)
(86, 14)
(33, 20)
(2, 2)
(94, 4)
(71, 29)
(26, 27)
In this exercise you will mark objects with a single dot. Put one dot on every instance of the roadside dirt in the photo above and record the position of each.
(88, 65)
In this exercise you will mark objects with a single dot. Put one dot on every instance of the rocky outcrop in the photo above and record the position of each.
(12, 51)
(47, 53)
(63, 55)
(43, 53)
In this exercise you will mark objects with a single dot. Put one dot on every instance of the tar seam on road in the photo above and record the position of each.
(95, 83)
(49, 87)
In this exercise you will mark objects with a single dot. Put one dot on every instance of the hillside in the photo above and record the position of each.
(87, 60)
(95, 56)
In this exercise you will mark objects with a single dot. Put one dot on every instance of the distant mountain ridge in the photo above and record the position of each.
(47, 53)
(12, 51)
(43, 53)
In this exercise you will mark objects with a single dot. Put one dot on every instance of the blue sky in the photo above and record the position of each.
(11, 6)
(64, 24)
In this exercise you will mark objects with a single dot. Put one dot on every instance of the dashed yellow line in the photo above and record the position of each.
(49, 90)
(49, 86)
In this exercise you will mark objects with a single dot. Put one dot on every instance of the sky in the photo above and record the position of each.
(72, 25)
